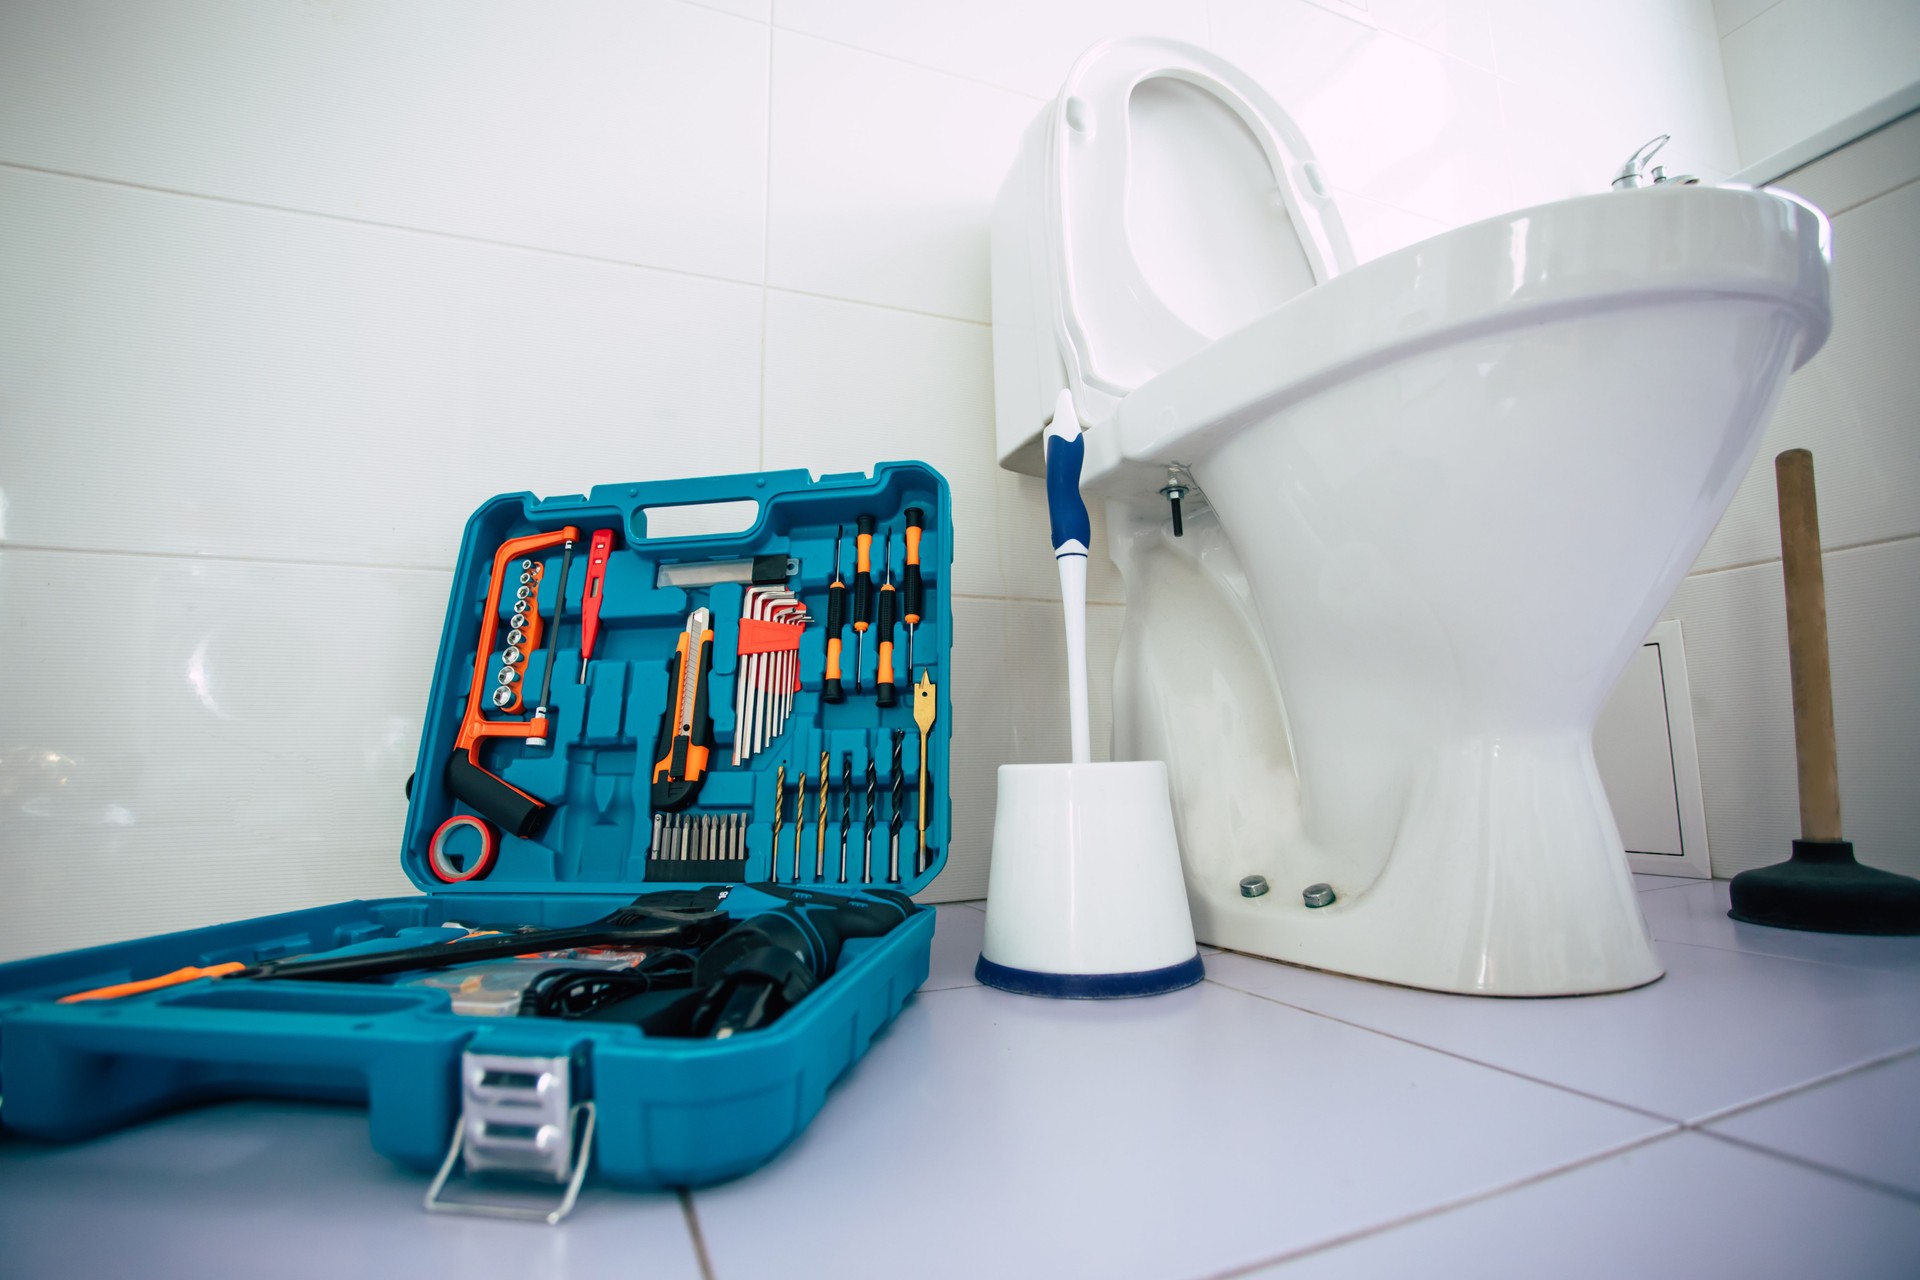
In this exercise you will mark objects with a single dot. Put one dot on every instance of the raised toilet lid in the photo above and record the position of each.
(1187, 205)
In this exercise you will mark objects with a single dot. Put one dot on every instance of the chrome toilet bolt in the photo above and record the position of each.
(1253, 886)
(1317, 895)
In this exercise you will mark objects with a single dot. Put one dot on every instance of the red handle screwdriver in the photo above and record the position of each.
(590, 595)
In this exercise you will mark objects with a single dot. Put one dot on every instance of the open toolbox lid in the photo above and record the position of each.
(594, 770)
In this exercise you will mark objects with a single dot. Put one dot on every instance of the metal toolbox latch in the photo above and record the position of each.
(517, 1122)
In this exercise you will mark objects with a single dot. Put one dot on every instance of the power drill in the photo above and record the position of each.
(763, 966)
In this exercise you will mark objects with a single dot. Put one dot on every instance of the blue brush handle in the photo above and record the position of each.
(1066, 513)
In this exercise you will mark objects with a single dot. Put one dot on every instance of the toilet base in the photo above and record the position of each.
(1506, 877)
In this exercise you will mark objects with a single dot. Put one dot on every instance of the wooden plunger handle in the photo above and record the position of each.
(1807, 647)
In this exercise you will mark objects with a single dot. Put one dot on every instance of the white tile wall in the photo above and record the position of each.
(1735, 624)
(196, 740)
(626, 129)
(403, 257)
(197, 377)
(1796, 66)
(1855, 406)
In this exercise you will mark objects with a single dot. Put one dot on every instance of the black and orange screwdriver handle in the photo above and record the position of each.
(862, 588)
(913, 591)
(492, 797)
(889, 606)
(830, 690)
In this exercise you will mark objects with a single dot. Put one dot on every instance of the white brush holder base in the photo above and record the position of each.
(1086, 899)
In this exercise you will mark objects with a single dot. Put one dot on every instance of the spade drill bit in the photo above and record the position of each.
(898, 815)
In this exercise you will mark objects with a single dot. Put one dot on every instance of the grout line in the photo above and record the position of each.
(1824, 551)
(766, 245)
(1091, 604)
(1434, 1211)
(1771, 955)
(457, 236)
(714, 8)
(1720, 35)
(1736, 949)
(692, 1218)
(917, 66)
(208, 557)
(1447, 1053)
(1680, 882)
(540, 250)
(884, 306)
(1861, 203)
(1839, 1073)
(1816, 1166)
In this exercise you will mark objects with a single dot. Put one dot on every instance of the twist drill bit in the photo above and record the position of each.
(779, 799)
(846, 808)
(899, 809)
(820, 825)
(866, 861)
(799, 825)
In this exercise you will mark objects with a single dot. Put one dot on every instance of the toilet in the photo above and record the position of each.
(1430, 507)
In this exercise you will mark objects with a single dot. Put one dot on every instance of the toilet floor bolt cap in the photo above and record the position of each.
(1317, 895)
(1253, 886)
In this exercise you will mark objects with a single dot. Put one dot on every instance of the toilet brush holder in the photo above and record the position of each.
(1086, 899)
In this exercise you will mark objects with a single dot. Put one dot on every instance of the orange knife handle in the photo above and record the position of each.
(189, 974)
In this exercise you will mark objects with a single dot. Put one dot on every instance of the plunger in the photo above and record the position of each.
(1821, 888)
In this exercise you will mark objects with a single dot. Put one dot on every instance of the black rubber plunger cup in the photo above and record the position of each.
(1821, 888)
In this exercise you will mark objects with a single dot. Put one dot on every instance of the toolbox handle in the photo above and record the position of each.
(754, 486)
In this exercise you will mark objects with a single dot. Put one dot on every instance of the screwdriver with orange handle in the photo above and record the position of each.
(862, 588)
(889, 605)
(913, 590)
(836, 624)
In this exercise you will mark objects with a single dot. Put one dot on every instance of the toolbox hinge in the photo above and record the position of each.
(517, 1121)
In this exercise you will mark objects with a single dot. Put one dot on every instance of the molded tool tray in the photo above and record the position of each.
(669, 1111)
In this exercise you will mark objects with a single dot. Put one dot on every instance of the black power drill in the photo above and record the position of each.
(763, 966)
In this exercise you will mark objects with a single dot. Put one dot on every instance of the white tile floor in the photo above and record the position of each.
(1755, 1113)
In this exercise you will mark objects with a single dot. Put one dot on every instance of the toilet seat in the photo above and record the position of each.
(1116, 330)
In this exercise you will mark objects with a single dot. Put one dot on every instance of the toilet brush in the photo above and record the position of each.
(1085, 897)
(1820, 888)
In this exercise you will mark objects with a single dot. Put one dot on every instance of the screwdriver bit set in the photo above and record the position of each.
(766, 704)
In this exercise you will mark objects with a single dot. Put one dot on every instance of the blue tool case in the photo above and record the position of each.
(554, 787)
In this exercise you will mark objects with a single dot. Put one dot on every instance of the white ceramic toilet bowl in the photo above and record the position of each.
(1461, 482)
(1442, 497)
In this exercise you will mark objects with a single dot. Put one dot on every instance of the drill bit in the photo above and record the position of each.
(659, 821)
(866, 860)
(820, 825)
(925, 707)
(846, 808)
(899, 798)
(799, 825)
(779, 812)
